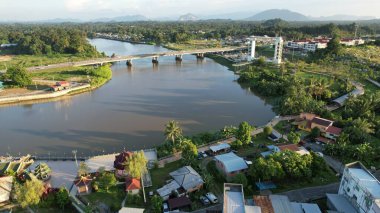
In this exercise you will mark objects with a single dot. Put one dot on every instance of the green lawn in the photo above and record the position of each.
(77, 73)
(113, 198)
(283, 127)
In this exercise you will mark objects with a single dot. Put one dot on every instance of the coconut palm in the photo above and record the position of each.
(172, 131)
(42, 171)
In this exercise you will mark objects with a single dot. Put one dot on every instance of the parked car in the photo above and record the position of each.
(165, 208)
(204, 200)
(212, 197)
(320, 154)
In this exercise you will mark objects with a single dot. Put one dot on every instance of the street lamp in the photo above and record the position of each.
(75, 156)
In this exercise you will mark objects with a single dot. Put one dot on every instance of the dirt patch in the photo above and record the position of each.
(14, 92)
(5, 58)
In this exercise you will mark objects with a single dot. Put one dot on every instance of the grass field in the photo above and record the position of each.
(40, 60)
(113, 198)
(193, 44)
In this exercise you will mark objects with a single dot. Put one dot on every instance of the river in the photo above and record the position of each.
(131, 110)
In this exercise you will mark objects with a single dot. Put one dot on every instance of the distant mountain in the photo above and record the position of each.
(286, 15)
(188, 17)
(122, 19)
(343, 18)
(233, 15)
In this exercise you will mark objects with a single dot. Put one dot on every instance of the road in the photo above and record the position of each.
(311, 193)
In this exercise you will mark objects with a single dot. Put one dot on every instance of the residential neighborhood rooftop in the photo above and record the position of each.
(219, 147)
(367, 180)
(187, 177)
(232, 162)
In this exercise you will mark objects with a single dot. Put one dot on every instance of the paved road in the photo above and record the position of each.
(311, 193)
(336, 165)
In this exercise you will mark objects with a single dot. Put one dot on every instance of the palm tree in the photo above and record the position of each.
(363, 125)
(172, 131)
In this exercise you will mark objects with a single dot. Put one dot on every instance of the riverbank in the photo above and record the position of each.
(100, 76)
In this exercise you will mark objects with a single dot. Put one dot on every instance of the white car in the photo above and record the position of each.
(320, 154)
(213, 199)
(165, 208)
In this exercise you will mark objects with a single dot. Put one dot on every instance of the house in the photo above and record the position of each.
(342, 99)
(309, 121)
(274, 136)
(308, 45)
(281, 204)
(6, 184)
(83, 184)
(220, 148)
(63, 84)
(230, 164)
(185, 180)
(359, 191)
(351, 41)
(132, 185)
(179, 202)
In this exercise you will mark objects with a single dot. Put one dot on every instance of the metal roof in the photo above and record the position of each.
(220, 147)
(281, 204)
(187, 177)
(232, 162)
(367, 181)
(305, 208)
(340, 203)
(343, 98)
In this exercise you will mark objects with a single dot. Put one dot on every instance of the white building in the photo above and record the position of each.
(310, 45)
(360, 188)
(351, 41)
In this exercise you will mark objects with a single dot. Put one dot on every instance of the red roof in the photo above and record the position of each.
(334, 130)
(291, 147)
(83, 181)
(132, 184)
(324, 140)
(62, 83)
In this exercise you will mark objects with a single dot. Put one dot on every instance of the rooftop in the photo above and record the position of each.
(232, 162)
(291, 147)
(187, 177)
(132, 184)
(233, 198)
(305, 208)
(220, 147)
(340, 203)
(334, 130)
(264, 203)
(322, 121)
(366, 180)
(281, 203)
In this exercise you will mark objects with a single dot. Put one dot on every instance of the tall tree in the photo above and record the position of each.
(62, 197)
(172, 131)
(135, 166)
(29, 193)
(19, 76)
(294, 137)
(83, 169)
(189, 152)
(106, 181)
(244, 133)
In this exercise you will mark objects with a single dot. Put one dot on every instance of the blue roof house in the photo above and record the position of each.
(230, 164)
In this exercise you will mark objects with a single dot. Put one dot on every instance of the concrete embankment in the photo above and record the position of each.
(47, 95)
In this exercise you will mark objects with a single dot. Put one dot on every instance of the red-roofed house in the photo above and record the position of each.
(332, 132)
(132, 185)
(293, 147)
(83, 185)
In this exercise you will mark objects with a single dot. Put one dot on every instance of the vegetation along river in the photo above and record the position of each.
(131, 110)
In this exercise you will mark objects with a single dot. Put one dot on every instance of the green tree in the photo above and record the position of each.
(135, 166)
(106, 181)
(156, 202)
(83, 169)
(42, 171)
(62, 197)
(29, 193)
(294, 137)
(208, 179)
(266, 169)
(19, 76)
(172, 131)
(240, 179)
(268, 130)
(244, 133)
(334, 47)
(315, 133)
(189, 152)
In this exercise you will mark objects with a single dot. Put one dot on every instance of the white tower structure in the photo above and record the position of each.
(279, 43)
(251, 49)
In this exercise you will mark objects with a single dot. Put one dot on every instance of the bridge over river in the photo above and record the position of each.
(178, 57)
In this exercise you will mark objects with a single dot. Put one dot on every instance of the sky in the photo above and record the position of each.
(31, 10)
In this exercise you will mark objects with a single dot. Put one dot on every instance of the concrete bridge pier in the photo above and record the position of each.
(200, 55)
(129, 63)
(178, 57)
(155, 60)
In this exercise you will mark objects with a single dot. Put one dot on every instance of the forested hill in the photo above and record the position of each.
(47, 39)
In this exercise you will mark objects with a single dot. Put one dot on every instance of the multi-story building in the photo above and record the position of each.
(358, 188)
